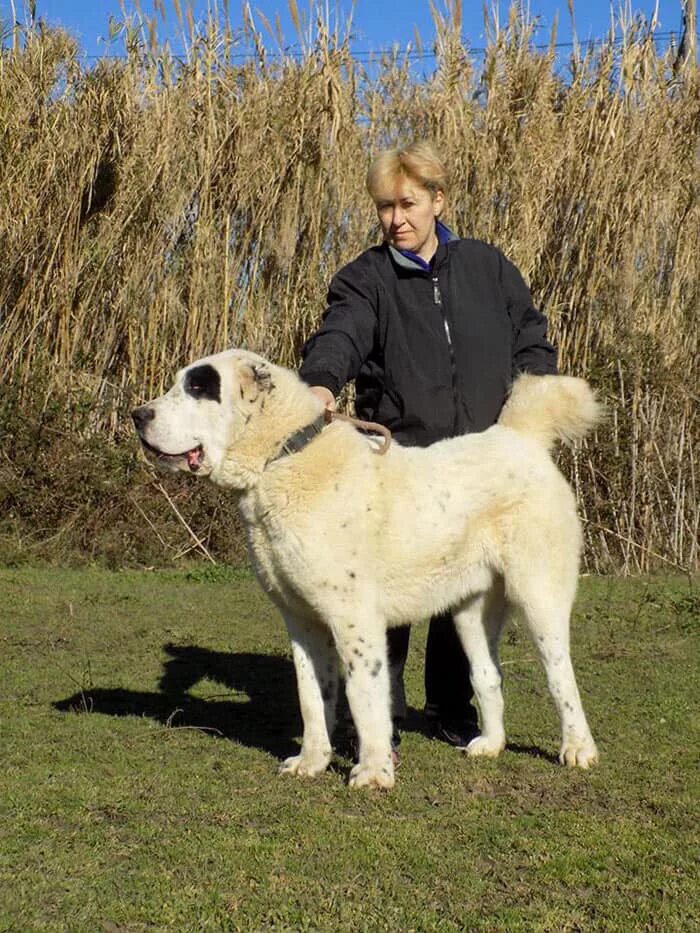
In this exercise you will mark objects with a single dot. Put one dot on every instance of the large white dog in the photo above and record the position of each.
(347, 542)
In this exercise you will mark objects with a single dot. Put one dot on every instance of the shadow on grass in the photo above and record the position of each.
(265, 716)
(533, 752)
(416, 722)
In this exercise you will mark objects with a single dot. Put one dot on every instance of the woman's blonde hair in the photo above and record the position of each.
(419, 162)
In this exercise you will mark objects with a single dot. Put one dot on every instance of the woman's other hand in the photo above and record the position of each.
(325, 395)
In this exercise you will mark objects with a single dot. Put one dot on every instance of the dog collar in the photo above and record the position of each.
(301, 438)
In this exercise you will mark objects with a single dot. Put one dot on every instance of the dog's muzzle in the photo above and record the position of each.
(141, 416)
(194, 457)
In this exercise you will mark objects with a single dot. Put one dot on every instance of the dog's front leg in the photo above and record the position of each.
(316, 666)
(364, 658)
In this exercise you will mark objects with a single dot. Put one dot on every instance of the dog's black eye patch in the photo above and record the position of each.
(203, 382)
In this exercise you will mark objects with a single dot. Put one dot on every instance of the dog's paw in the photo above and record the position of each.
(366, 775)
(485, 747)
(305, 765)
(579, 754)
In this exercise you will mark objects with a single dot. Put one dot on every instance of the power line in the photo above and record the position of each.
(367, 55)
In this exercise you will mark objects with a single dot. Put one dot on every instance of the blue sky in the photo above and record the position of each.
(377, 24)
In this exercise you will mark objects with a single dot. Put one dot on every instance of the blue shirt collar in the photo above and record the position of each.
(444, 235)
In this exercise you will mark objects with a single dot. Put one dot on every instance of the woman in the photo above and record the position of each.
(433, 329)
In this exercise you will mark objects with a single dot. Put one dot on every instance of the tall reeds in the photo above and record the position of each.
(155, 209)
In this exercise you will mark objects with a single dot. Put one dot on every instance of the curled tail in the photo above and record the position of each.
(551, 408)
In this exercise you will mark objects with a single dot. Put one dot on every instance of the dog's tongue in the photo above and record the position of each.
(194, 458)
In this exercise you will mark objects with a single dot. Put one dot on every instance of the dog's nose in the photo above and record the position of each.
(141, 416)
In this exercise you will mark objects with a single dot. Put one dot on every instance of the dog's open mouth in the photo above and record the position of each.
(194, 457)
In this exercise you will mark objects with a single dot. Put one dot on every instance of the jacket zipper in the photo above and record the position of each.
(437, 300)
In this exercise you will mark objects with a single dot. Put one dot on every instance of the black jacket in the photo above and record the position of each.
(433, 352)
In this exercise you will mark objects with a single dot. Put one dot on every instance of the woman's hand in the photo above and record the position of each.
(325, 395)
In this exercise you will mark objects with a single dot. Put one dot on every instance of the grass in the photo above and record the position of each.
(144, 714)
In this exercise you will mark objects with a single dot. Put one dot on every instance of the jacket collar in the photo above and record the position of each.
(408, 260)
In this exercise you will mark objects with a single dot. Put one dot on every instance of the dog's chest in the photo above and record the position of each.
(279, 562)
(266, 561)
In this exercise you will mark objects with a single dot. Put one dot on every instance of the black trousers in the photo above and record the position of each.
(448, 689)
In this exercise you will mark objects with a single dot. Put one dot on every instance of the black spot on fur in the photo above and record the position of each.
(351, 667)
(351, 574)
(203, 382)
(263, 378)
(377, 668)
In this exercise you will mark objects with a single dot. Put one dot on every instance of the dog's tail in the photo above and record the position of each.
(551, 408)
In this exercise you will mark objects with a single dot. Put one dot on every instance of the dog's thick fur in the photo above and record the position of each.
(347, 542)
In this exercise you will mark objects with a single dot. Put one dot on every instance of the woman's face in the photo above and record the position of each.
(407, 212)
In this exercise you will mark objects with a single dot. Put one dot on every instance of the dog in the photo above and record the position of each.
(347, 542)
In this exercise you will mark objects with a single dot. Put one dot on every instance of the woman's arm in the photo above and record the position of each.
(532, 352)
(335, 353)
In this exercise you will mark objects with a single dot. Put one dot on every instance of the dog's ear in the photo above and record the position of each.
(254, 379)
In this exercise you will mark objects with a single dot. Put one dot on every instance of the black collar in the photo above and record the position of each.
(301, 438)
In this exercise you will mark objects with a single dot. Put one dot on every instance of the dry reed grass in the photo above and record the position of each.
(153, 210)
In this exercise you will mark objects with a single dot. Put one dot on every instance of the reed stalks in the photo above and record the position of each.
(154, 209)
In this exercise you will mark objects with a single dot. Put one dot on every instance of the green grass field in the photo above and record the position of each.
(144, 715)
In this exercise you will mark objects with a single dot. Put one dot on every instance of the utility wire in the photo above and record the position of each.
(366, 55)
(406, 53)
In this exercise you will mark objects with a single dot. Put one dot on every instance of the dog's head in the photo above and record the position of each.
(195, 424)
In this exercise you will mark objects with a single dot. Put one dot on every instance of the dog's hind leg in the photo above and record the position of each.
(364, 656)
(479, 622)
(548, 622)
(316, 666)
(552, 639)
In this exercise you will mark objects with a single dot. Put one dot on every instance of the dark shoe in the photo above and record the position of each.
(455, 732)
